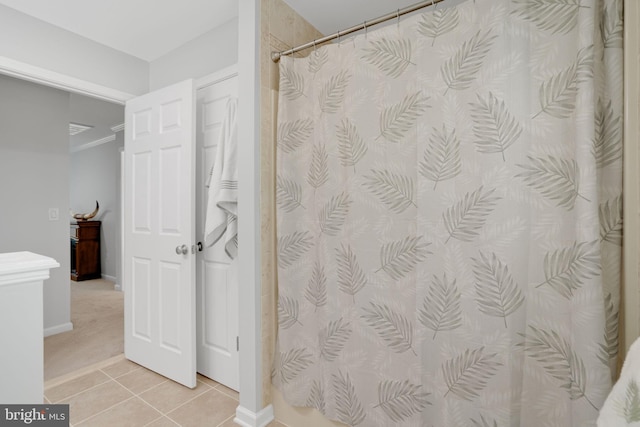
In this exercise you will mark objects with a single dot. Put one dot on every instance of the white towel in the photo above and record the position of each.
(222, 204)
(622, 407)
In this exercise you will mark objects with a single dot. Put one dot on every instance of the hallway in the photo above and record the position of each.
(97, 314)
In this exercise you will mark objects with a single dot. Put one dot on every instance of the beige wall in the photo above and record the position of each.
(281, 29)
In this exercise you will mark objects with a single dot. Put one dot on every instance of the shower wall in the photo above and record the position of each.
(281, 29)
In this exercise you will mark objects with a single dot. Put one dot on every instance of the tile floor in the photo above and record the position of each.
(125, 394)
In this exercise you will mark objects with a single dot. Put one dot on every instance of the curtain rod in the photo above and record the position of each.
(275, 56)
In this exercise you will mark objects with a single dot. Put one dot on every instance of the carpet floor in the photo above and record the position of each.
(97, 314)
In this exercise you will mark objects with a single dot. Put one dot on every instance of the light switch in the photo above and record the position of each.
(53, 214)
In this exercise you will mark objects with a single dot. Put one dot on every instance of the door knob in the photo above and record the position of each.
(182, 250)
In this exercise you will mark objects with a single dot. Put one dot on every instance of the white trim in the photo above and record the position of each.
(24, 267)
(32, 73)
(93, 144)
(58, 329)
(109, 278)
(249, 264)
(76, 128)
(121, 213)
(217, 77)
(117, 128)
(247, 418)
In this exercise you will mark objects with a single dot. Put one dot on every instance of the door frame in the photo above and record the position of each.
(252, 410)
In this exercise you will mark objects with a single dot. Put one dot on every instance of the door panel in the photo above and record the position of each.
(217, 283)
(141, 298)
(160, 191)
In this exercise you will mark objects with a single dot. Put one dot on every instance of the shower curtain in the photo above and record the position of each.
(449, 213)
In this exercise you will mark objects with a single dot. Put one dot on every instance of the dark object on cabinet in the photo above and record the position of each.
(85, 250)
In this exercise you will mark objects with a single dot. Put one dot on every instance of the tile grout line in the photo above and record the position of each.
(105, 410)
(80, 392)
(121, 375)
(65, 378)
(230, 418)
(165, 413)
(143, 391)
(159, 418)
(188, 401)
(218, 387)
(225, 392)
(137, 395)
(109, 378)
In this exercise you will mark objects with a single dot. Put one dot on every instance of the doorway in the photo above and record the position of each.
(97, 162)
(97, 335)
(96, 306)
(164, 189)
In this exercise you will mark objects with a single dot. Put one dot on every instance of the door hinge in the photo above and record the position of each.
(237, 343)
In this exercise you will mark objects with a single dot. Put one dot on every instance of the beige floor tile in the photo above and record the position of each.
(208, 409)
(130, 413)
(169, 395)
(95, 400)
(141, 380)
(207, 380)
(229, 392)
(228, 423)
(121, 368)
(69, 388)
(162, 422)
(224, 389)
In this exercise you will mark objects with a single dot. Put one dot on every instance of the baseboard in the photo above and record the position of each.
(109, 278)
(247, 418)
(58, 329)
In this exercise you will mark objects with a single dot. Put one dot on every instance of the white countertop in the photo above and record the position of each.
(18, 262)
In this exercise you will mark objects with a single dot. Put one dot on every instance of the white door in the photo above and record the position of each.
(159, 266)
(217, 281)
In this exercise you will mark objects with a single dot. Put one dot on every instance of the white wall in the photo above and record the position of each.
(38, 43)
(213, 51)
(34, 176)
(95, 175)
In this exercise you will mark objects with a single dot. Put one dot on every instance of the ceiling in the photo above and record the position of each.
(331, 16)
(100, 115)
(148, 29)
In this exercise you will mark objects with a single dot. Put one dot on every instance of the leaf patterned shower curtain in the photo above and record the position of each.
(449, 213)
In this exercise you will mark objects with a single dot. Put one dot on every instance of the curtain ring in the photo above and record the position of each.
(338, 38)
(365, 29)
(314, 45)
(398, 17)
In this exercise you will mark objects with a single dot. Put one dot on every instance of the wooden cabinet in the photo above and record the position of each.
(85, 250)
